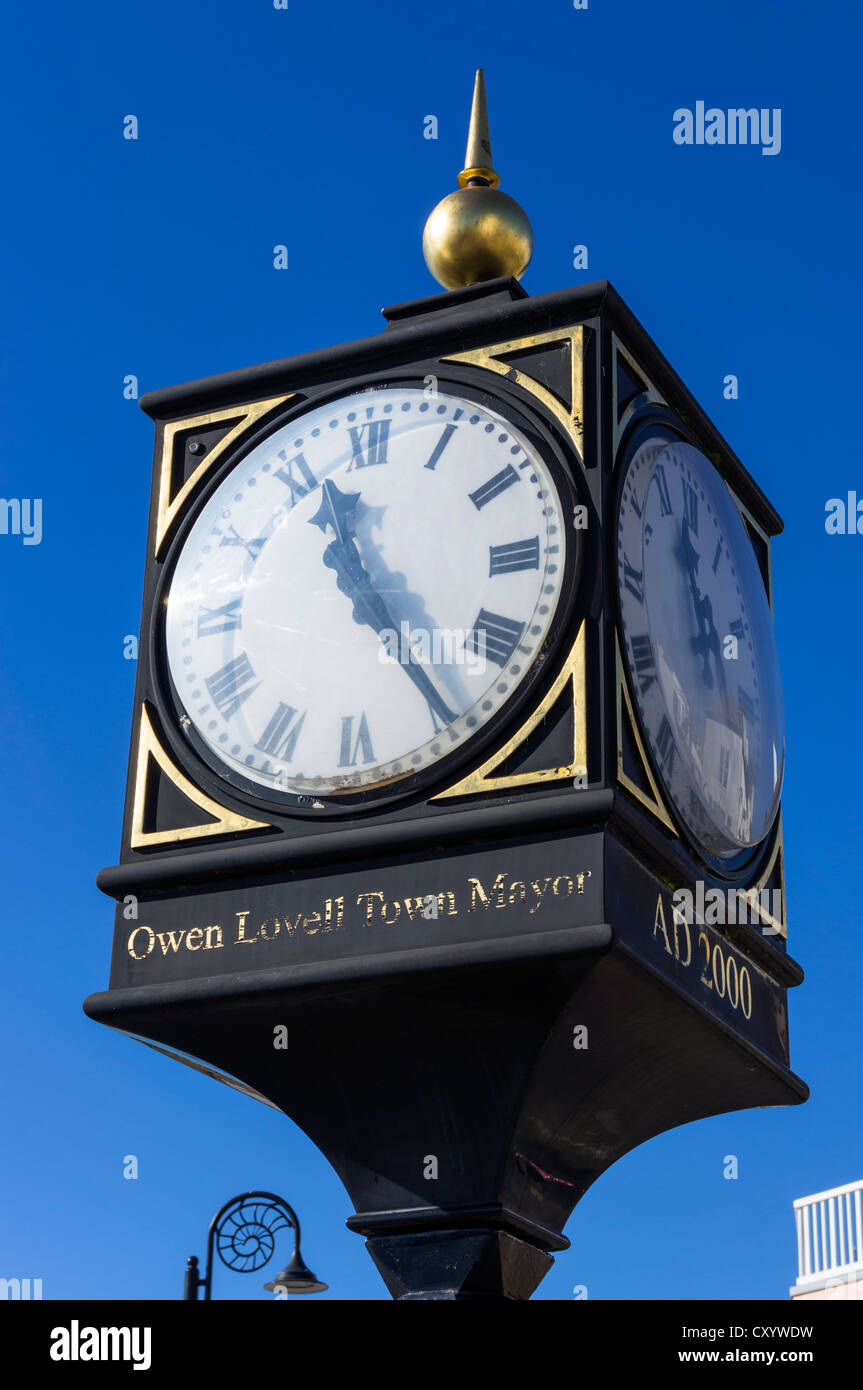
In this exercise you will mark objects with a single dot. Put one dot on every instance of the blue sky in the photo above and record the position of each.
(154, 257)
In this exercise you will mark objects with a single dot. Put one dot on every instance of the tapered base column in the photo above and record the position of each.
(458, 1265)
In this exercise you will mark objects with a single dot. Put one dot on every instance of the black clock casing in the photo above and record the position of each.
(438, 951)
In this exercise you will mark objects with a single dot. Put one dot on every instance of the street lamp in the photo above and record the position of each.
(242, 1232)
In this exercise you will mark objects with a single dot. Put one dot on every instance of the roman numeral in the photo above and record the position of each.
(517, 555)
(224, 619)
(633, 580)
(494, 487)
(662, 484)
(449, 431)
(717, 556)
(253, 547)
(300, 485)
(351, 746)
(642, 657)
(230, 686)
(690, 504)
(369, 444)
(665, 745)
(633, 502)
(279, 739)
(494, 637)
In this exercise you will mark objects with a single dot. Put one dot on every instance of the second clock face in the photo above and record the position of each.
(699, 644)
(364, 591)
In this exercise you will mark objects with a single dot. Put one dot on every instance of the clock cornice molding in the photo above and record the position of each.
(481, 316)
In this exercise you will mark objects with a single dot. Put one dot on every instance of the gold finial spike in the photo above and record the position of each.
(477, 159)
(478, 232)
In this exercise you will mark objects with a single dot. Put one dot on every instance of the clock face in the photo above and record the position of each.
(363, 592)
(699, 645)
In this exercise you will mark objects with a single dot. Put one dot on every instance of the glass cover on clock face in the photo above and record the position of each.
(699, 644)
(364, 591)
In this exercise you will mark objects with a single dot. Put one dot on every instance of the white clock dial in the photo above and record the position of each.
(699, 643)
(364, 591)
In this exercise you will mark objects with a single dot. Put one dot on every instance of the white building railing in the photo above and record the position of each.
(829, 1235)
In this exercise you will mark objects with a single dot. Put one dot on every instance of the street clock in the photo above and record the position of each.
(457, 682)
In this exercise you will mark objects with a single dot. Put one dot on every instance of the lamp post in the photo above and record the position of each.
(243, 1235)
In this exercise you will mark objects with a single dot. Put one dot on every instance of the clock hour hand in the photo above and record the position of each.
(711, 639)
(337, 511)
(707, 640)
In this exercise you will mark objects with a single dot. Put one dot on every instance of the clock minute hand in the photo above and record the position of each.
(371, 610)
(337, 510)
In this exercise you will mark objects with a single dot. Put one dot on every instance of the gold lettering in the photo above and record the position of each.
(265, 929)
(329, 920)
(198, 934)
(130, 945)
(175, 939)
(721, 969)
(478, 896)
(451, 909)
(312, 923)
(562, 878)
(370, 906)
(241, 930)
(209, 930)
(678, 919)
(539, 891)
(702, 936)
(659, 922)
(414, 907)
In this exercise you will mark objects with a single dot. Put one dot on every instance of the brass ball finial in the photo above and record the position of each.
(477, 233)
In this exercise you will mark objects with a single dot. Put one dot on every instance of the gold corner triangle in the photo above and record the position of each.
(482, 778)
(488, 358)
(651, 394)
(656, 804)
(778, 925)
(225, 822)
(168, 507)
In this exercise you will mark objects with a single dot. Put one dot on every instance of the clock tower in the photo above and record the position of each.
(453, 817)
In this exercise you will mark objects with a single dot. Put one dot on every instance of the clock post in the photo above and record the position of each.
(452, 825)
